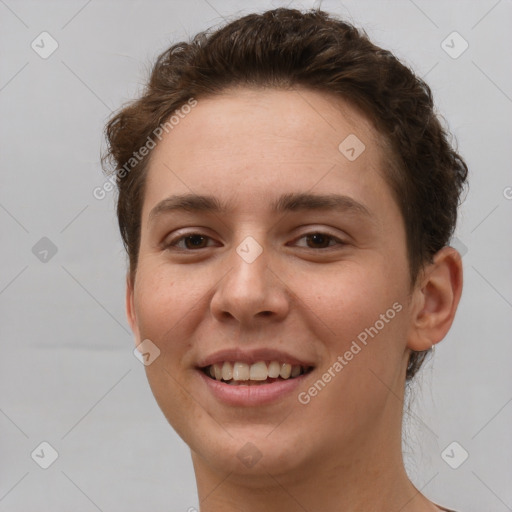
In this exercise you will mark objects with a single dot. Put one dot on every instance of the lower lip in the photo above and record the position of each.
(261, 394)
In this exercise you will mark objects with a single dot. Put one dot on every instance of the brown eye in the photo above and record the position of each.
(196, 241)
(319, 240)
(189, 242)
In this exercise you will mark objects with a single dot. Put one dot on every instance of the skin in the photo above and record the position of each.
(342, 450)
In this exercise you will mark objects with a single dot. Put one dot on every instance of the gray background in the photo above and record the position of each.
(67, 372)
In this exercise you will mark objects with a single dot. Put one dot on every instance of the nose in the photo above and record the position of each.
(250, 292)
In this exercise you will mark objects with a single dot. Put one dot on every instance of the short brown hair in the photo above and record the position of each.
(283, 48)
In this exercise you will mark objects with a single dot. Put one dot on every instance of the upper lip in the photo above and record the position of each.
(252, 356)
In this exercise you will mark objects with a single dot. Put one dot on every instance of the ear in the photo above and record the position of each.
(130, 309)
(435, 300)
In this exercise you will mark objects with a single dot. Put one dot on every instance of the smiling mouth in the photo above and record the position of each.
(262, 372)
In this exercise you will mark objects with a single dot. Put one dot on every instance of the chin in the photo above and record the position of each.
(251, 454)
(248, 449)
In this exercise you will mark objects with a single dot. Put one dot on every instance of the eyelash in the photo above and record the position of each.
(172, 245)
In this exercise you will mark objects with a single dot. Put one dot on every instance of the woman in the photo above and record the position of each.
(286, 199)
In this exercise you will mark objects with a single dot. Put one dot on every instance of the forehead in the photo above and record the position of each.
(260, 141)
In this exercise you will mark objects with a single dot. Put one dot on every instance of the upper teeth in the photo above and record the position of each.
(257, 371)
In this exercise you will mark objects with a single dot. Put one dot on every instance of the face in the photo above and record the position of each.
(301, 268)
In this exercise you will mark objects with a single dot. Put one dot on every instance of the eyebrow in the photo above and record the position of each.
(287, 202)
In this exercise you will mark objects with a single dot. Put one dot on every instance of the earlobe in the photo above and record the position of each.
(435, 300)
(130, 309)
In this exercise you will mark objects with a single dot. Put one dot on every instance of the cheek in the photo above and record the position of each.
(164, 305)
(377, 314)
(351, 298)
(365, 308)
(362, 375)
(163, 299)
